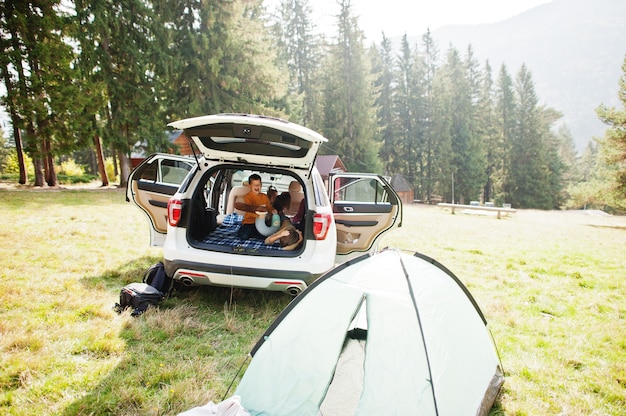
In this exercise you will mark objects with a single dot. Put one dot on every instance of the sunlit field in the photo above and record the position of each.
(551, 285)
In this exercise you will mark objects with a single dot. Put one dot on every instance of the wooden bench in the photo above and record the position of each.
(499, 210)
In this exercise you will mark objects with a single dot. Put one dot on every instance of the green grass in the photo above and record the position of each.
(65, 255)
(551, 285)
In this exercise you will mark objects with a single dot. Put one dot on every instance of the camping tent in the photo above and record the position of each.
(386, 334)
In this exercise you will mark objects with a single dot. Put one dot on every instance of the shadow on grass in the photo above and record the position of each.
(118, 278)
(617, 227)
(180, 354)
(213, 297)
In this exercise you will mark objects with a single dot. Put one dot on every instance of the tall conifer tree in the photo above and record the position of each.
(529, 175)
(487, 130)
(504, 126)
(430, 61)
(466, 165)
(613, 145)
(221, 57)
(384, 69)
(38, 72)
(349, 113)
(478, 118)
(121, 39)
(409, 105)
(300, 52)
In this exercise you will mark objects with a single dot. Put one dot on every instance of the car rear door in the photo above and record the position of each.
(252, 139)
(365, 207)
(152, 184)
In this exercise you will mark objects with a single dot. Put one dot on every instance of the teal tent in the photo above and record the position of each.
(388, 334)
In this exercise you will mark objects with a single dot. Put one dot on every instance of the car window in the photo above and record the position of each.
(365, 190)
(249, 139)
(174, 171)
(149, 173)
(219, 182)
(166, 171)
(279, 181)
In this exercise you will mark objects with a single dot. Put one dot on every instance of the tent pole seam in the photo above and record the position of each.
(419, 321)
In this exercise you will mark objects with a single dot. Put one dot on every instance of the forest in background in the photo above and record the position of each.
(575, 49)
(87, 81)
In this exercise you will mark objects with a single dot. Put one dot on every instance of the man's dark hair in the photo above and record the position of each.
(254, 177)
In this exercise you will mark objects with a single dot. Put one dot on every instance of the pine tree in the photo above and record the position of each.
(478, 120)
(409, 106)
(383, 67)
(300, 52)
(221, 58)
(430, 62)
(124, 59)
(488, 131)
(568, 155)
(590, 188)
(349, 113)
(554, 158)
(613, 144)
(467, 163)
(504, 125)
(529, 175)
(440, 132)
(40, 79)
(587, 163)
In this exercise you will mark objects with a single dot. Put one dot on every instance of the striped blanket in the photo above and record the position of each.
(226, 235)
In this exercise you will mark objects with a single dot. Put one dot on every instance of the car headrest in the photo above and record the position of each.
(295, 186)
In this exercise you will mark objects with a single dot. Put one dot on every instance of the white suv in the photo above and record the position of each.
(190, 202)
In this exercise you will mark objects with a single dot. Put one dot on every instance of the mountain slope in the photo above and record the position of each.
(574, 49)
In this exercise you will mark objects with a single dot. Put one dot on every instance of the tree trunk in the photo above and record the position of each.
(39, 175)
(51, 175)
(114, 153)
(17, 133)
(101, 166)
(37, 155)
(124, 169)
(17, 136)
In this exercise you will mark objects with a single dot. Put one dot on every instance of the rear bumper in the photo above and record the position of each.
(192, 274)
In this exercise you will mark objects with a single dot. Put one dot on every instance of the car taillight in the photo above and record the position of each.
(321, 224)
(174, 209)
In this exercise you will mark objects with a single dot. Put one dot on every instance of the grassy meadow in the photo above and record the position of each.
(551, 285)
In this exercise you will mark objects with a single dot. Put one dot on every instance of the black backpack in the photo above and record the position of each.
(156, 286)
(156, 277)
(139, 297)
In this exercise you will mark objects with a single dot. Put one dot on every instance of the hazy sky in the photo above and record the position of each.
(396, 17)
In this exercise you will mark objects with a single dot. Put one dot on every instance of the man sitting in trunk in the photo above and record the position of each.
(253, 202)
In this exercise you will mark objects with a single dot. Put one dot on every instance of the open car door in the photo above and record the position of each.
(152, 184)
(365, 207)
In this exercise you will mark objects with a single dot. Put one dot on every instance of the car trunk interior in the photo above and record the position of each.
(212, 221)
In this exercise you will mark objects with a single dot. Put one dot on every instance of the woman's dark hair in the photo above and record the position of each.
(282, 202)
(292, 238)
